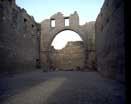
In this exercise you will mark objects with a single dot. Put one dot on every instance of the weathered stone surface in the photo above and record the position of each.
(18, 38)
(70, 57)
(48, 33)
(110, 40)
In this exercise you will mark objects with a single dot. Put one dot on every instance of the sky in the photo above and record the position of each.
(43, 9)
(87, 10)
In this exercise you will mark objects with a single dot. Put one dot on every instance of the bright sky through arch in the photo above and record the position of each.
(63, 37)
(88, 10)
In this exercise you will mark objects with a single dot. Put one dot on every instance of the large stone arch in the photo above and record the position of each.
(67, 61)
(55, 32)
(48, 33)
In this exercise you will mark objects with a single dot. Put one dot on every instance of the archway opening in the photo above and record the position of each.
(67, 52)
(62, 38)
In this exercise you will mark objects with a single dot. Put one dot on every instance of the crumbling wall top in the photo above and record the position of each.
(58, 14)
(75, 13)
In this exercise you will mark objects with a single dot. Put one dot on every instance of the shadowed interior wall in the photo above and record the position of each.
(110, 39)
(18, 38)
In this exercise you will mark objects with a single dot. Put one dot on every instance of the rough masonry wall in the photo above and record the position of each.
(89, 31)
(18, 38)
(110, 40)
(70, 57)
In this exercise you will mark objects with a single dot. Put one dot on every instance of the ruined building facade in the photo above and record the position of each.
(48, 33)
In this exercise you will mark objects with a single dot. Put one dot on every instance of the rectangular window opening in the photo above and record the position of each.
(67, 22)
(52, 23)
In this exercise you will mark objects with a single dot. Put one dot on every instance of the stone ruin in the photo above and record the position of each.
(48, 33)
(25, 44)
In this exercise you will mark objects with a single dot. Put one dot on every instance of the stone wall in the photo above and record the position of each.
(19, 35)
(70, 57)
(89, 30)
(110, 40)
